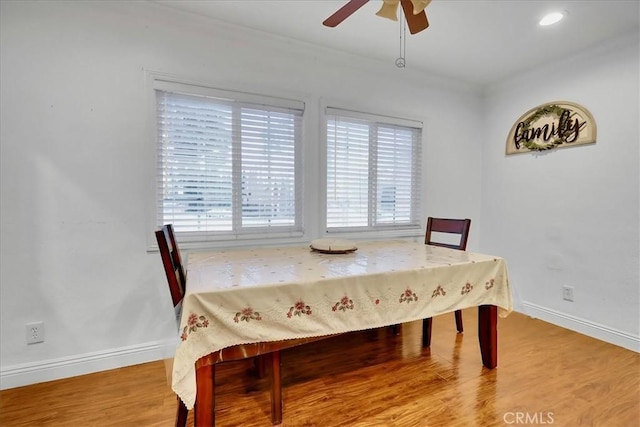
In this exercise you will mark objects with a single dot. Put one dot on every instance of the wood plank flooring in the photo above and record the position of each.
(546, 375)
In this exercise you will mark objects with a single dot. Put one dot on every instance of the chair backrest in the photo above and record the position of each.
(172, 262)
(447, 225)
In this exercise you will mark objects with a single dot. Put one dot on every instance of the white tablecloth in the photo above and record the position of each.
(270, 294)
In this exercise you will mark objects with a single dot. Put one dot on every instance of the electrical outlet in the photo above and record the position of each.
(34, 332)
(567, 293)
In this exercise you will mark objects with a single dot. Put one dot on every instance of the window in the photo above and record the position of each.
(227, 163)
(373, 166)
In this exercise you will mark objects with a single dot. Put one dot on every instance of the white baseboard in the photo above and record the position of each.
(55, 369)
(594, 330)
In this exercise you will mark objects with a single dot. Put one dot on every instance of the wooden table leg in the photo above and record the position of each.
(276, 389)
(205, 406)
(488, 334)
(427, 325)
(260, 365)
(458, 316)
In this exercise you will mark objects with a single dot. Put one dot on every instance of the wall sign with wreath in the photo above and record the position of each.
(553, 125)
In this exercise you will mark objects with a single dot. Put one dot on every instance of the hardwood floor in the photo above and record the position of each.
(546, 375)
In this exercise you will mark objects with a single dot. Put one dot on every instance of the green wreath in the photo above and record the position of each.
(541, 112)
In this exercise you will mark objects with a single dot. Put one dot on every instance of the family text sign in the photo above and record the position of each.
(552, 125)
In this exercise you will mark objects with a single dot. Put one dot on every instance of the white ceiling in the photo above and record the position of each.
(476, 41)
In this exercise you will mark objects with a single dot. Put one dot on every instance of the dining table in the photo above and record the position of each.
(250, 299)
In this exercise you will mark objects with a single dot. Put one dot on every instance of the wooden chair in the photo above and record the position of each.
(176, 277)
(172, 262)
(459, 228)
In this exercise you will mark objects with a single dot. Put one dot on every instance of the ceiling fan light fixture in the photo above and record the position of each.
(419, 5)
(389, 9)
(551, 18)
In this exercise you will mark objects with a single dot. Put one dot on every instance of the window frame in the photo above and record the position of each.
(198, 240)
(328, 109)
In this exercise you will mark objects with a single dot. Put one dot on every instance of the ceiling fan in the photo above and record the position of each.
(413, 11)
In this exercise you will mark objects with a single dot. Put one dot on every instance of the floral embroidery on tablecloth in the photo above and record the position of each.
(344, 304)
(466, 288)
(193, 323)
(298, 309)
(408, 296)
(488, 285)
(438, 291)
(247, 314)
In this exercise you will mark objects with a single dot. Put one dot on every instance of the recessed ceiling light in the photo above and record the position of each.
(551, 19)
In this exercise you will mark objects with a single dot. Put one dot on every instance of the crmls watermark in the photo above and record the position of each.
(530, 418)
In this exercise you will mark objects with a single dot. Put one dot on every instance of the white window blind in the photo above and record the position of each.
(227, 167)
(373, 171)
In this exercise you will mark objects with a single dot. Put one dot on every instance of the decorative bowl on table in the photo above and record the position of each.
(333, 246)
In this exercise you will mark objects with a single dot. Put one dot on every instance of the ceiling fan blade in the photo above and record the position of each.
(344, 12)
(416, 23)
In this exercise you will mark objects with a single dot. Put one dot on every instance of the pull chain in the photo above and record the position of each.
(400, 62)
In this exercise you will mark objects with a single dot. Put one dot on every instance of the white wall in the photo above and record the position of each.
(571, 216)
(76, 151)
